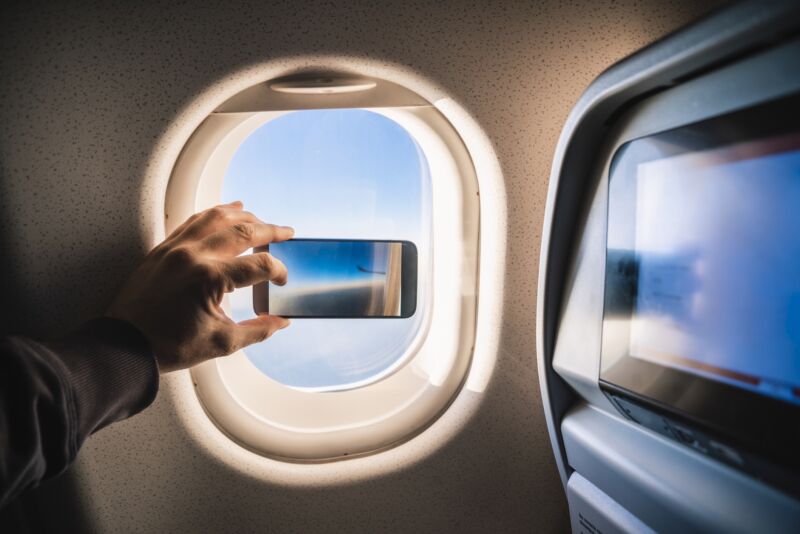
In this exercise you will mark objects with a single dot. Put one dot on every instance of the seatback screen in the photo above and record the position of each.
(702, 293)
(717, 242)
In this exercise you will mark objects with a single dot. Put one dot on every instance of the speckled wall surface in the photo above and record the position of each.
(87, 94)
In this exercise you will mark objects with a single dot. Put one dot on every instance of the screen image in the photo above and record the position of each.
(717, 252)
(338, 279)
(701, 311)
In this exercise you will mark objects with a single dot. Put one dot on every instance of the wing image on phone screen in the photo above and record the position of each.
(338, 278)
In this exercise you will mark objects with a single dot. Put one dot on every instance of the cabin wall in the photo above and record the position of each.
(92, 101)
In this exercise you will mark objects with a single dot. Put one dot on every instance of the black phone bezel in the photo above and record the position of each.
(409, 282)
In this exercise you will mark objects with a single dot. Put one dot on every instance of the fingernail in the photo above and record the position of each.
(286, 322)
(288, 228)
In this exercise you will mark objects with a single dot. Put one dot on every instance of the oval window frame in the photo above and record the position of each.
(285, 423)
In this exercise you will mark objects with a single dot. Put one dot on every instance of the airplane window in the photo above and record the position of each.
(339, 174)
(379, 166)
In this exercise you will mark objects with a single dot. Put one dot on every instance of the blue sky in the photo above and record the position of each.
(332, 174)
(325, 171)
(331, 262)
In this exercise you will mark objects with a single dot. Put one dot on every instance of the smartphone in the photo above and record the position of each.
(332, 278)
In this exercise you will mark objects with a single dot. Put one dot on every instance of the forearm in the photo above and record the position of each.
(54, 395)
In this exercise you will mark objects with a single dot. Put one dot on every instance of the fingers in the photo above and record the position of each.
(191, 220)
(211, 220)
(228, 230)
(251, 269)
(240, 335)
(239, 237)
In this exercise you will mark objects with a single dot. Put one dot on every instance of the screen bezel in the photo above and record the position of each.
(408, 293)
(765, 425)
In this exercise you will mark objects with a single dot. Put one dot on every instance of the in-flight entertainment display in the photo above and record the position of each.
(702, 307)
(717, 244)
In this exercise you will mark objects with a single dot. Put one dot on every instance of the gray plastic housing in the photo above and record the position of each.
(736, 58)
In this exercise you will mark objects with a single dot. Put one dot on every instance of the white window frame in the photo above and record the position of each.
(282, 422)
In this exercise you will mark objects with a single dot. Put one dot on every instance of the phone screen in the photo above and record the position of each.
(342, 278)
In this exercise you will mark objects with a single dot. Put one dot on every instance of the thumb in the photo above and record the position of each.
(258, 329)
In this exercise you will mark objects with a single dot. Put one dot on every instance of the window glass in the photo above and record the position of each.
(338, 174)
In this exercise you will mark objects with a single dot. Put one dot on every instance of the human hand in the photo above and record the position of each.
(174, 296)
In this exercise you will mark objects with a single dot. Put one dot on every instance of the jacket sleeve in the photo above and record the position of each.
(53, 395)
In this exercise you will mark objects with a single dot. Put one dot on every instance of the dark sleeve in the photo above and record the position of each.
(54, 395)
